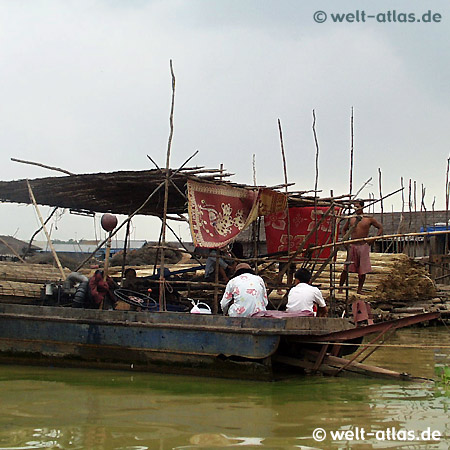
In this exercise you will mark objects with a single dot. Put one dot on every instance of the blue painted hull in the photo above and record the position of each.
(163, 342)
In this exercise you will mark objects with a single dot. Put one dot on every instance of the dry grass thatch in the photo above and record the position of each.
(407, 280)
(145, 256)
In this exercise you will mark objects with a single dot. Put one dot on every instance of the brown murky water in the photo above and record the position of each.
(88, 409)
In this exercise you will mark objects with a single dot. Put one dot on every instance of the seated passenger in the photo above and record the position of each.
(101, 292)
(130, 281)
(245, 293)
(237, 250)
(225, 268)
(303, 296)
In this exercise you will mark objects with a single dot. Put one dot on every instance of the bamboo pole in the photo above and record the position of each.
(415, 215)
(256, 223)
(351, 154)
(316, 178)
(286, 189)
(107, 254)
(125, 245)
(384, 236)
(162, 297)
(446, 204)
(42, 165)
(55, 256)
(333, 263)
(381, 204)
(361, 188)
(216, 283)
(410, 214)
(423, 210)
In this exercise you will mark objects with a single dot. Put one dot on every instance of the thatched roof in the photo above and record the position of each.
(115, 192)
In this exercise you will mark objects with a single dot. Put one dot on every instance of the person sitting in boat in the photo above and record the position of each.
(245, 293)
(101, 291)
(225, 268)
(302, 297)
(132, 282)
(237, 250)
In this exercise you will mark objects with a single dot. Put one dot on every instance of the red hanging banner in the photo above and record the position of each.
(302, 220)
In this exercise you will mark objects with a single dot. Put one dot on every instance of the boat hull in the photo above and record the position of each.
(161, 342)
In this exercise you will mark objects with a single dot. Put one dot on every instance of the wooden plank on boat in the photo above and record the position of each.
(362, 369)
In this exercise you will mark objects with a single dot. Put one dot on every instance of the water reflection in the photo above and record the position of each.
(83, 409)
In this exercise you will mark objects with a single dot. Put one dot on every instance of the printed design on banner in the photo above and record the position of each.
(218, 213)
(302, 220)
(220, 222)
(296, 240)
(277, 221)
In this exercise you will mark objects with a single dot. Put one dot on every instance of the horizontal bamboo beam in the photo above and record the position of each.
(377, 238)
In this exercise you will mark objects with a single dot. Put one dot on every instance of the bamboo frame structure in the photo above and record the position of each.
(165, 182)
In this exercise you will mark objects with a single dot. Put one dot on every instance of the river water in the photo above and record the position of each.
(89, 409)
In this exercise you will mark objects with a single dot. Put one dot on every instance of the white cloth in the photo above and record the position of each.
(302, 298)
(248, 294)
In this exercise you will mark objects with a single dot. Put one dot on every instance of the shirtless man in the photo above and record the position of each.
(358, 253)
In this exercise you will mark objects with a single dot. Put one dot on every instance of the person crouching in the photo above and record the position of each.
(245, 294)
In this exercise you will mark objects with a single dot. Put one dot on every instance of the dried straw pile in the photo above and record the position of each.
(145, 256)
(407, 280)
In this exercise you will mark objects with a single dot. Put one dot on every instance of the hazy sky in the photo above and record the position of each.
(85, 85)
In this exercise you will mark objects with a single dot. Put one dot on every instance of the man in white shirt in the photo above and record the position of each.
(303, 296)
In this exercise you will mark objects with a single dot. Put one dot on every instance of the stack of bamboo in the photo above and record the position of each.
(25, 280)
(394, 276)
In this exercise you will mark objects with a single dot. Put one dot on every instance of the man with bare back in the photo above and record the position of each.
(358, 254)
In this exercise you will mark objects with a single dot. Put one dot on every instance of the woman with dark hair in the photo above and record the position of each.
(245, 293)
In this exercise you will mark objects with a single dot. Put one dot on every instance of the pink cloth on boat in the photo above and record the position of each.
(282, 314)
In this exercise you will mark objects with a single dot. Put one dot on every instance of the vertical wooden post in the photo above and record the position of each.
(402, 217)
(285, 187)
(333, 261)
(316, 180)
(415, 216)
(216, 287)
(425, 222)
(255, 224)
(446, 205)
(351, 154)
(162, 289)
(125, 245)
(107, 253)
(410, 215)
(381, 206)
(50, 244)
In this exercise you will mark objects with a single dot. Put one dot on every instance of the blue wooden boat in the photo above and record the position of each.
(172, 342)
(183, 343)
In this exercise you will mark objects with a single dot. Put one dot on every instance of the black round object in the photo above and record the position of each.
(136, 299)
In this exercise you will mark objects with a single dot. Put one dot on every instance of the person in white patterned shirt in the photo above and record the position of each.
(245, 293)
